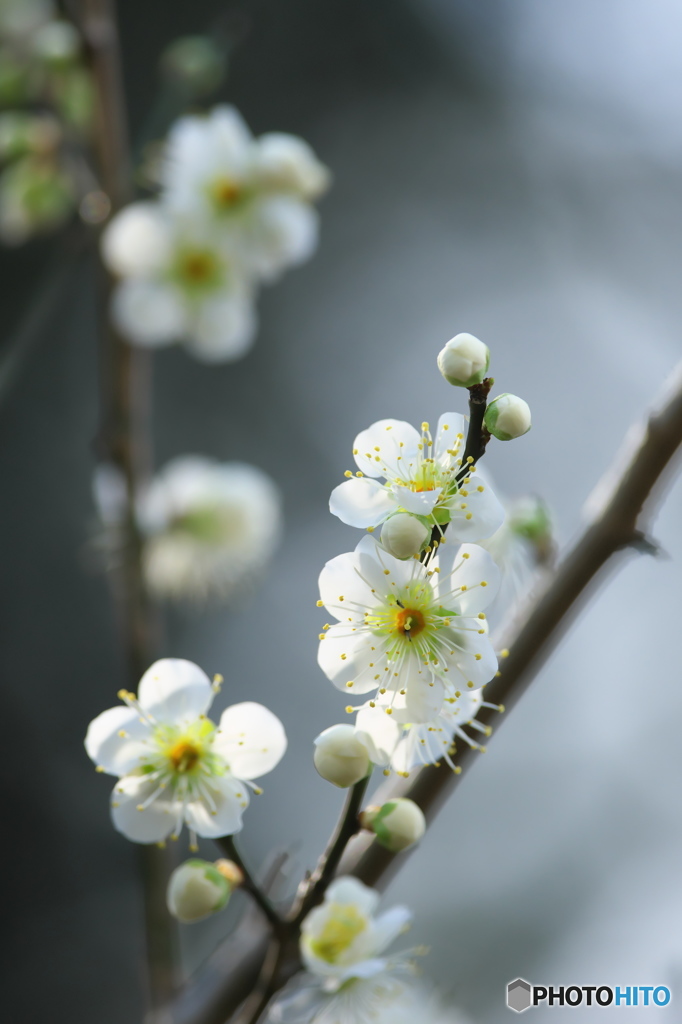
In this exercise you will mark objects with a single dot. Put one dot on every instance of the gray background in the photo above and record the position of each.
(509, 169)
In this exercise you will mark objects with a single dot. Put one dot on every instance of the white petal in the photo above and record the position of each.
(456, 572)
(386, 928)
(175, 691)
(340, 583)
(117, 754)
(287, 163)
(148, 312)
(487, 513)
(424, 697)
(283, 233)
(151, 825)
(379, 732)
(251, 739)
(349, 890)
(419, 503)
(464, 667)
(136, 240)
(361, 502)
(344, 657)
(222, 814)
(397, 442)
(450, 425)
(223, 329)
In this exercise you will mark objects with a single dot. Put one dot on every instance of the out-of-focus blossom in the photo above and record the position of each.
(196, 64)
(507, 417)
(174, 765)
(20, 18)
(209, 528)
(257, 191)
(36, 196)
(179, 283)
(415, 635)
(342, 939)
(420, 478)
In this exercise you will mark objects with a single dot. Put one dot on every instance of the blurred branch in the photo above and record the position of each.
(616, 528)
(124, 441)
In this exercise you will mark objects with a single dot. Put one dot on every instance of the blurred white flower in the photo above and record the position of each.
(341, 757)
(179, 283)
(173, 764)
(341, 939)
(209, 527)
(257, 192)
(197, 889)
(397, 824)
(414, 635)
(22, 17)
(420, 478)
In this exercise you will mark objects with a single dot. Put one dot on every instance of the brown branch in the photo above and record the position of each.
(227, 845)
(124, 441)
(616, 529)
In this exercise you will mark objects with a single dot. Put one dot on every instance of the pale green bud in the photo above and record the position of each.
(199, 888)
(507, 417)
(397, 824)
(464, 361)
(57, 43)
(195, 63)
(403, 535)
(340, 757)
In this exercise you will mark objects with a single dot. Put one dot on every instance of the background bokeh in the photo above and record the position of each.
(509, 169)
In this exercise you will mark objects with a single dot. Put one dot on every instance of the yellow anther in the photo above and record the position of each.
(320, 604)
(504, 653)
(458, 693)
(371, 529)
(349, 684)
(355, 451)
(349, 709)
(466, 555)
(481, 615)
(387, 771)
(501, 708)
(478, 657)
(425, 425)
(469, 515)
(470, 685)
(372, 704)
(484, 583)
(99, 768)
(387, 572)
(343, 657)
(358, 473)
(348, 472)
(377, 448)
(321, 636)
(389, 711)
(480, 487)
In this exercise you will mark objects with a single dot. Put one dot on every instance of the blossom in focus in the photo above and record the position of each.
(256, 191)
(174, 765)
(507, 417)
(464, 361)
(413, 744)
(208, 527)
(421, 476)
(179, 282)
(342, 939)
(414, 635)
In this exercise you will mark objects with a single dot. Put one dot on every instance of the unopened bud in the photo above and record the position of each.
(287, 163)
(57, 42)
(404, 535)
(196, 63)
(340, 757)
(507, 417)
(397, 825)
(198, 888)
(464, 361)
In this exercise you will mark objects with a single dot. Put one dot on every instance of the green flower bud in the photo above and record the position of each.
(198, 888)
(464, 361)
(397, 825)
(57, 43)
(196, 63)
(507, 417)
(35, 196)
(403, 535)
(340, 757)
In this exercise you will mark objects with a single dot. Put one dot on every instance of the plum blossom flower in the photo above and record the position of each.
(421, 476)
(173, 764)
(413, 634)
(257, 191)
(208, 526)
(179, 282)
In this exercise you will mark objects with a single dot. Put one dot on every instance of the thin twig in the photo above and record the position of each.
(124, 441)
(227, 845)
(616, 528)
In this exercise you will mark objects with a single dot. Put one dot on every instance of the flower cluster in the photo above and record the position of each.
(234, 211)
(46, 96)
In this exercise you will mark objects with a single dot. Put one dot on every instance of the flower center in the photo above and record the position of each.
(409, 621)
(226, 193)
(344, 925)
(184, 755)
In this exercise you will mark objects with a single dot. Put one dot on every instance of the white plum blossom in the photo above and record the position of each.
(342, 939)
(414, 635)
(174, 765)
(421, 475)
(209, 527)
(179, 282)
(257, 191)
(405, 745)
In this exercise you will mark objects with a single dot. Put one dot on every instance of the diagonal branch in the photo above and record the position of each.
(616, 528)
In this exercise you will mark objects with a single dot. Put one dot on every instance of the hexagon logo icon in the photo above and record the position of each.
(518, 995)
